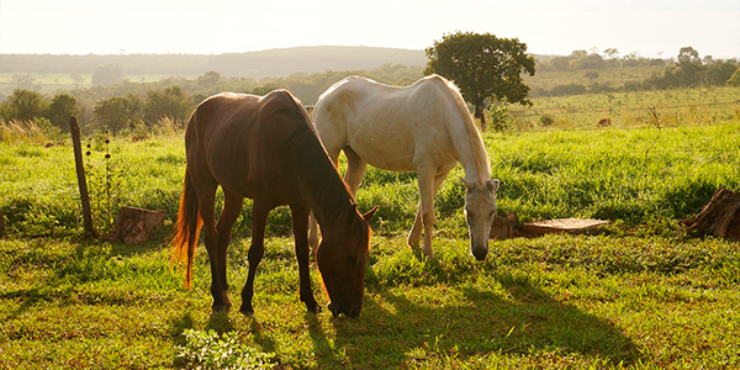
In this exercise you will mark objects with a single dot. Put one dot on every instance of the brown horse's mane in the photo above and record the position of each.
(326, 192)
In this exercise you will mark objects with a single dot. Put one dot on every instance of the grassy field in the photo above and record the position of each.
(639, 296)
(673, 108)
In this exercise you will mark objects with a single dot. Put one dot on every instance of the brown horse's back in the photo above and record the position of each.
(240, 142)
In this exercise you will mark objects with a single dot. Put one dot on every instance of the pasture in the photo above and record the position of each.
(638, 296)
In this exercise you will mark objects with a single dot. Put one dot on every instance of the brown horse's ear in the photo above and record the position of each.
(369, 214)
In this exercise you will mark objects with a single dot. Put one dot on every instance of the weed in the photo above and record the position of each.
(208, 350)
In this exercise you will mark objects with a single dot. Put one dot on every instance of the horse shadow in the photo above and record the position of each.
(517, 322)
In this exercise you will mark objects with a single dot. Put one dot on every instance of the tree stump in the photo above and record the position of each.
(136, 225)
(720, 217)
(504, 227)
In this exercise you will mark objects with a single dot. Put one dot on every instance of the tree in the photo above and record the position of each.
(118, 112)
(171, 103)
(107, 75)
(483, 66)
(23, 105)
(688, 55)
(62, 107)
(77, 79)
(209, 79)
(734, 79)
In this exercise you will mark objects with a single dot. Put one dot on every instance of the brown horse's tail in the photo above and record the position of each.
(187, 229)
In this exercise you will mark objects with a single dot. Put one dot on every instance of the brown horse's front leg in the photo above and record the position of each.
(300, 213)
(256, 252)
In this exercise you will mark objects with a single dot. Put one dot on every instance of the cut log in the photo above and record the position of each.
(504, 227)
(564, 225)
(136, 225)
(720, 217)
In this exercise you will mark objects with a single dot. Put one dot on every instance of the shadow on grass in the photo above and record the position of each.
(396, 331)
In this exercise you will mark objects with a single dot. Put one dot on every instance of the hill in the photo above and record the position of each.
(258, 64)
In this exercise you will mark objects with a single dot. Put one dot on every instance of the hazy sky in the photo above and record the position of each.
(649, 27)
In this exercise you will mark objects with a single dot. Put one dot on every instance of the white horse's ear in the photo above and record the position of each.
(493, 185)
(470, 185)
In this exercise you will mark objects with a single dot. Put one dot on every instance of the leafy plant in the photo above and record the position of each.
(208, 350)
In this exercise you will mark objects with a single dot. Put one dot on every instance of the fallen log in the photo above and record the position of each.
(564, 225)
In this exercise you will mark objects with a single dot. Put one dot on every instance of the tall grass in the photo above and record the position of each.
(631, 176)
(27, 132)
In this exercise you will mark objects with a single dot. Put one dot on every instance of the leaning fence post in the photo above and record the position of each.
(74, 128)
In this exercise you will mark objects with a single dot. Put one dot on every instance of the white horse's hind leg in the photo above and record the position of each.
(426, 201)
(415, 234)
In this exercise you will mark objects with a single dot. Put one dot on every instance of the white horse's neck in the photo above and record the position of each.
(471, 151)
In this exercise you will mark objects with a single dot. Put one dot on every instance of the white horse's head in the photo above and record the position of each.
(480, 207)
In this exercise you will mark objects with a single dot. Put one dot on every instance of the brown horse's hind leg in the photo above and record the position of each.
(232, 208)
(300, 214)
(260, 210)
(206, 201)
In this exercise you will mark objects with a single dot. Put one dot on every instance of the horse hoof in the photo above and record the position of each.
(314, 308)
(247, 311)
(221, 308)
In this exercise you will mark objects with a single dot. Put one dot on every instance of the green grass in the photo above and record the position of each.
(552, 302)
(638, 296)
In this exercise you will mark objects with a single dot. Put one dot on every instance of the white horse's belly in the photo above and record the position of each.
(394, 157)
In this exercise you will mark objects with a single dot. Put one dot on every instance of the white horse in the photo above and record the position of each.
(424, 127)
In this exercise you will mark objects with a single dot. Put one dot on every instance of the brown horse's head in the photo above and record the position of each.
(342, 257)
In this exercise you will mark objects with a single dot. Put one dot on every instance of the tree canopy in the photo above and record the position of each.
(483, 66)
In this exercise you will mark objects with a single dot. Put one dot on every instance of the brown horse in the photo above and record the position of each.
(266, 148)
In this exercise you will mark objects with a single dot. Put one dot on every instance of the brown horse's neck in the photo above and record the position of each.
(320, 183)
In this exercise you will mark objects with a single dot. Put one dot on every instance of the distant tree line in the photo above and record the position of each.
(257, 64)
(687, 70)
(133, 106)
(124, 105)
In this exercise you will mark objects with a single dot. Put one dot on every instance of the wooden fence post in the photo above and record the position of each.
(74, 128)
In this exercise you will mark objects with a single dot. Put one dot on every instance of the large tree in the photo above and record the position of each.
(171, 103)
(62, 107)
(23, 105)
(482, 66)
(118, 112)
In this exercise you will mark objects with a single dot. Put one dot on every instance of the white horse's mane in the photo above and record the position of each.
(482, 163)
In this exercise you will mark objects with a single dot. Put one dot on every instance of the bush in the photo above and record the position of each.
(569, 89)
(546, 120)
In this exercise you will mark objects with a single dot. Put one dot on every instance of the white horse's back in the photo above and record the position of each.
(392, 128)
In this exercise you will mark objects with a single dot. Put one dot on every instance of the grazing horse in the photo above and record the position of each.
(424, 127)
(267, 148)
